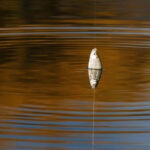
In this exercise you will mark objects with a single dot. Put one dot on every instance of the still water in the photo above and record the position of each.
(45, 96)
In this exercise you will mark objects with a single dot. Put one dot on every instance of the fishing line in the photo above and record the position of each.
(93, 126)
(95, 18)
(93, 134)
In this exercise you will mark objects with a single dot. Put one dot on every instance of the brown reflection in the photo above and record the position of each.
(57, 12)
(44, 92)
(43, 81)
(31, 69)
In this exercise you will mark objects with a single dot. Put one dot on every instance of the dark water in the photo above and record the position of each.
(45, 97)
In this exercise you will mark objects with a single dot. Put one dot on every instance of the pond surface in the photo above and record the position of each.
(45, 97)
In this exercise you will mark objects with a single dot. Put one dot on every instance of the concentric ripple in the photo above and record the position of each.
(46, 99)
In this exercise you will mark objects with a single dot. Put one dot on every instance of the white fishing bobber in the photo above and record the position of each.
(94, 60)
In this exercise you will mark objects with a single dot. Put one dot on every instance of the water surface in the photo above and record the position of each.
(45, 96)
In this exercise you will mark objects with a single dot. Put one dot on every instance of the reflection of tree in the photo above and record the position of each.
(37, 11)
(18, 12)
